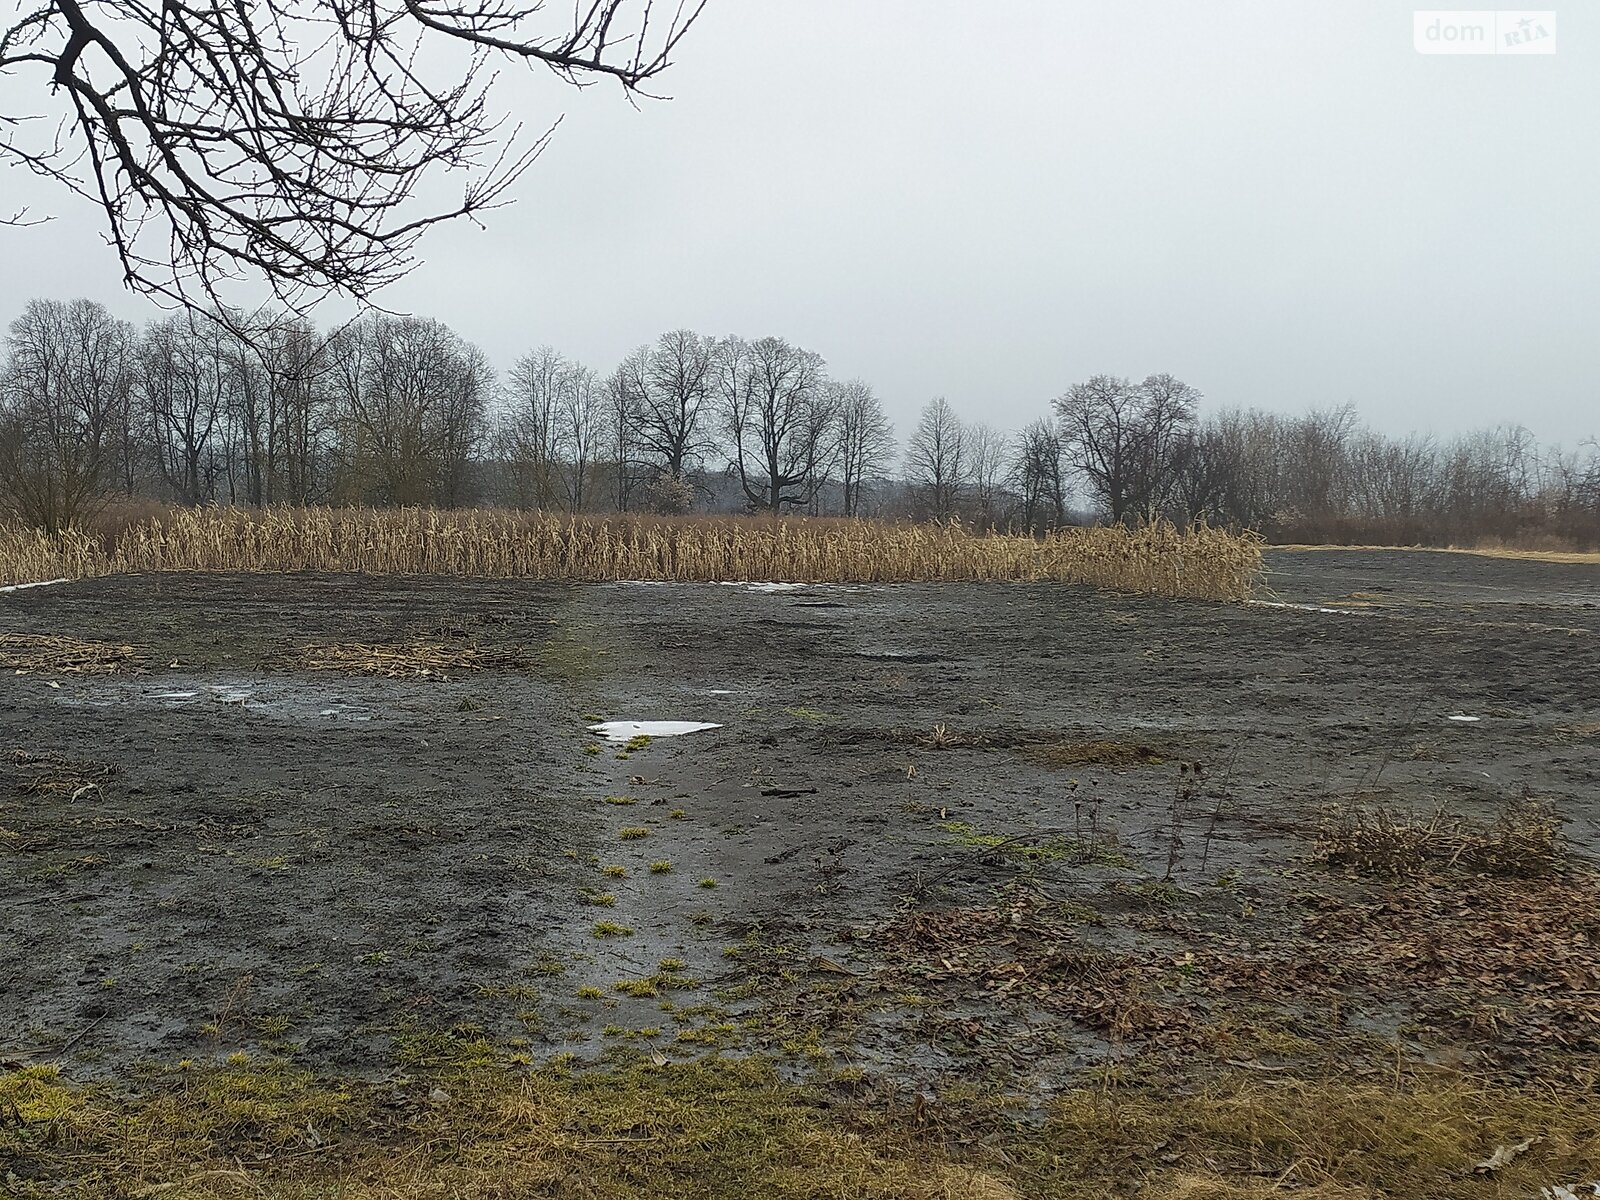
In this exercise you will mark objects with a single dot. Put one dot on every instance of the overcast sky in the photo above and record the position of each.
(1281, 202)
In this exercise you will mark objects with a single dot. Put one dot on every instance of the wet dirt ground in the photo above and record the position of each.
(941, 831)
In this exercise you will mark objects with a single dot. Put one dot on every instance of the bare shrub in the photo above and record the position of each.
(670, 496)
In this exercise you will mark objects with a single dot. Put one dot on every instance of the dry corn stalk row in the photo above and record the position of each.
(1161, 559)
(32, 555)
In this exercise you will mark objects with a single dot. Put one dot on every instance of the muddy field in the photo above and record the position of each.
(942, 832)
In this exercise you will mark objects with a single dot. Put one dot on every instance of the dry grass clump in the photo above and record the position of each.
(730, 1129)
(1522, 841)
(416, 660)
(1197, 562)
(62, 655)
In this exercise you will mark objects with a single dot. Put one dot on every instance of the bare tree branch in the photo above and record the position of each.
(288, 139)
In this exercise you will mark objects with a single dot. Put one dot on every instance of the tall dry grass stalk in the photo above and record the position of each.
(1197, 562)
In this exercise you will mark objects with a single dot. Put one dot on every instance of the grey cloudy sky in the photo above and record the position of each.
(1279, 201)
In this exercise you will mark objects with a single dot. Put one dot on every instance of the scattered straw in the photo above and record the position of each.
(417, 660)
(62, 655)
(51, 773)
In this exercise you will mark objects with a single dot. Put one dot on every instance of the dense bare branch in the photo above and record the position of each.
(288, 139)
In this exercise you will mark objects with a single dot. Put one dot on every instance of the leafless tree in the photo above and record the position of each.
(552, 431)
(413, 399)
(537, 395)
(1314, 461)
(282, 408)
(187, 375)
(986, 458)
(662, 391)
(1392, 479)
(1237, 469)
(1572, 492)
(63, 391)
(778, 411)
(1038, 476)
(581, 434)
(1121, 439)
(864, 440)
(1168, 413)
(1100, 428)
(290, 138)
(622, 441)
(936, 458)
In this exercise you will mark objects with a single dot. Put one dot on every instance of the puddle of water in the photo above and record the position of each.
(22, 587)
(621, 731)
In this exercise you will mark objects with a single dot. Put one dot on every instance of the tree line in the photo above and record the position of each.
(393, 410)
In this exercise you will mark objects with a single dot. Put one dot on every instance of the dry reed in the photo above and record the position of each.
(1197, 562)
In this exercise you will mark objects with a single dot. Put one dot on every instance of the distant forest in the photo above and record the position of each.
(393, 410)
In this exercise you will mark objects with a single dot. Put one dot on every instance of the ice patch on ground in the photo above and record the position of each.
(349, 712)
(1316, 608)
(224, 693)
(22, 587)
(622, 731)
